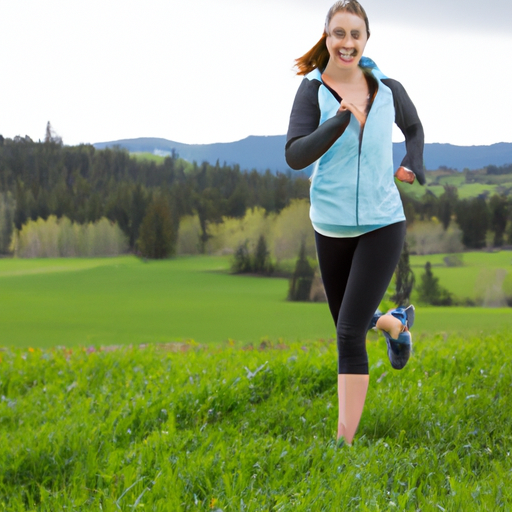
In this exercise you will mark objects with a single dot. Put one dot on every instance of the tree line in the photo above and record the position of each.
(39, 179)
(476, 217)
(147, 199)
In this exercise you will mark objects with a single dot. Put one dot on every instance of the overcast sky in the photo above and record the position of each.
(207, 71)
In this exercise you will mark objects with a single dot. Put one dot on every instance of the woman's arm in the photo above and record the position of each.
(306, 140)
(303, 151)
(406, 118)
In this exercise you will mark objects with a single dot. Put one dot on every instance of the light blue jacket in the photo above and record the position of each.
(353, 182)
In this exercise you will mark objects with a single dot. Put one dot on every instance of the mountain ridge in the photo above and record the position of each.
(267, 152)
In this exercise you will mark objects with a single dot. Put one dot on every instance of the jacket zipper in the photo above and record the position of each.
(358, 171)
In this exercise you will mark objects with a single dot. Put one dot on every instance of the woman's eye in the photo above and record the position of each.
(339, 33)
(355, 35)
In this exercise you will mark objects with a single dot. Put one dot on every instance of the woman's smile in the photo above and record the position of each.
(347, 55)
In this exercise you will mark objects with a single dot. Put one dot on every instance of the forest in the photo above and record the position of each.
(148, 199)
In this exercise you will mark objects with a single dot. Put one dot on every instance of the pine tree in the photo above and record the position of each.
(302, 278)
(430, 291)
(242, 259)
(261, 261)
(157, 238)
(404, 278)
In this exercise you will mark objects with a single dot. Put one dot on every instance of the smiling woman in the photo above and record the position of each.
(341, 121)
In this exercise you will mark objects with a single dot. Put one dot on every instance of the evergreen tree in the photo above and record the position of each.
(473, 220)
(261, 261)
(430, 291)
(242, 259)
(302, 278)
(498, 210)
(7, 210)
(157, 232)
(404, 277)
(446, 205)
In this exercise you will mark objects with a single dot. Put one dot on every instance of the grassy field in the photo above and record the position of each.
(120, 301)
(231, 405)
(473, 278)
(224, 429)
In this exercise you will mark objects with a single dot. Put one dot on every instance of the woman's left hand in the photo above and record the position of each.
(405, 175)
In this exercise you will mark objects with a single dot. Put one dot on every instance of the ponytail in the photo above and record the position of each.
(317, 57)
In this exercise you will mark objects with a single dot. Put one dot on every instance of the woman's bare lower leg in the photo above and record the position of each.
(352, 391)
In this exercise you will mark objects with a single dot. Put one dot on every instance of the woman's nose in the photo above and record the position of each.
(348, 42)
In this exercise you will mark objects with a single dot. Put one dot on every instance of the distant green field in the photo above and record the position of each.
(436, 181)
(82, 302)
(148, 156)
(473, 278)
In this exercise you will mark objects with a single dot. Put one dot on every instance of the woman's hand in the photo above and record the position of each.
(360, 116)
(405, 175)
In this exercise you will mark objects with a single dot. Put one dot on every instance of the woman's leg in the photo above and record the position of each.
(356, 273)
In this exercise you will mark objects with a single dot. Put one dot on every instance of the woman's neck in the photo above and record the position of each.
(343, 76)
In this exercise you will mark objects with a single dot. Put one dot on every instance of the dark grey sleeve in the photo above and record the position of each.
(406, 118)
(306, 141)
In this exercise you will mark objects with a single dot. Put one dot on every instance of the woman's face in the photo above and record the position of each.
(346, 40)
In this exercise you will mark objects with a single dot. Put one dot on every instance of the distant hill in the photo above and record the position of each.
(267, 152)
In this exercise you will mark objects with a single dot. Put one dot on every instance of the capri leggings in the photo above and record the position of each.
(356, 273)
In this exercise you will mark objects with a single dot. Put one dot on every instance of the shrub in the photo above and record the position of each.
(431, 292)
(258, 263)
(431, 238)
(55, 238)
(453, 260)
(242, 259)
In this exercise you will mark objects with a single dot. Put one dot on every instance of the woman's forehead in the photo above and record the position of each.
(345, 18)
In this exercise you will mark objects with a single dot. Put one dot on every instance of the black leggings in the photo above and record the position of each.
(356, 273)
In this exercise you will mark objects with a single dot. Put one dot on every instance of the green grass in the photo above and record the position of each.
(80, 302)
(120, 301)
(125, 300)
(230, 429)
(245, 425)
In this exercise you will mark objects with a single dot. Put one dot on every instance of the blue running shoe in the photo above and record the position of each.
(405, 315)
(399, 349)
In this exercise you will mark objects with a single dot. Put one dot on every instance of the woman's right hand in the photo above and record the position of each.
(358, 114)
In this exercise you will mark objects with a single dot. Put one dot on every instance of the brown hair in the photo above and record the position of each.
(318, 56)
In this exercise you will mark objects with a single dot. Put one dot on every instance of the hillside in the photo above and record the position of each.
(267, 152)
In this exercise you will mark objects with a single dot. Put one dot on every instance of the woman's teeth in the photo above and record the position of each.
(347, 55)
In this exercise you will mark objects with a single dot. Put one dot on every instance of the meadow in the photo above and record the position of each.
(174, 386)
(228, 427)
(124, 300)
(476, 276)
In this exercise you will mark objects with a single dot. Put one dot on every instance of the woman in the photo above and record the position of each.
(342, 120)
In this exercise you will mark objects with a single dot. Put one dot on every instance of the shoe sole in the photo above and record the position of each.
(399, 350)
